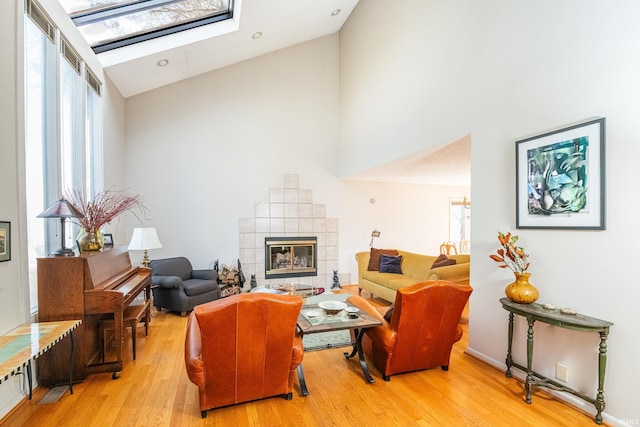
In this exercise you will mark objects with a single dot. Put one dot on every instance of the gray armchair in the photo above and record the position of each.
(178, 287)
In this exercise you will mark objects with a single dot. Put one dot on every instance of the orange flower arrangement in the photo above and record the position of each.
(510, 255)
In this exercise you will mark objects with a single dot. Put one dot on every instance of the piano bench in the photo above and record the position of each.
(132, 316)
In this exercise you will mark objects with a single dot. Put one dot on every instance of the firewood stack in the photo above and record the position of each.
(229, 275)
(229, 279)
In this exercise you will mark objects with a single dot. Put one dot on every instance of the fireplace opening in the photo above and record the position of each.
(290, 257)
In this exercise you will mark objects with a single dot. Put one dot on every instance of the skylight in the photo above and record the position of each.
(110, 24)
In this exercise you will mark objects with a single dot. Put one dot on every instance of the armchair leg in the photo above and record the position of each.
(203, 414)
(287, 396)
(386, 378)
(445, 367)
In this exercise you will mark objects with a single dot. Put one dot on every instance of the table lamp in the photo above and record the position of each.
(144, 239)
(61, 209)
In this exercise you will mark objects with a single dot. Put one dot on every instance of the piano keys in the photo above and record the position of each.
(87, 287)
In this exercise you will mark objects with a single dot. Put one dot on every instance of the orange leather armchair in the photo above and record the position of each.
(423, 328)
(243, 348)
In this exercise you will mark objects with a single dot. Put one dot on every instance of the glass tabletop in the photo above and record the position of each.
(312, 319)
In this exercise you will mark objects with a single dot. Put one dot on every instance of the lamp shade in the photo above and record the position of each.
(61, 209)
(144, 238)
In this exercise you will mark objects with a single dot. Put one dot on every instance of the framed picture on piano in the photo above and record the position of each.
(108, 240)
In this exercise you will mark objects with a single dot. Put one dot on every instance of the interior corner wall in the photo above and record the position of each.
(203, 150)
(113, 152)
(503, 71)
(389, 110)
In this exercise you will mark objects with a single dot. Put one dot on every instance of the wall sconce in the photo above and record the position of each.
(61, 209)
(144, 239)
(374, 234)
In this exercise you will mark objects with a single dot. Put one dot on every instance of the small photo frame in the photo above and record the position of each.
(5, 241)
(560, 178)
(108, 240)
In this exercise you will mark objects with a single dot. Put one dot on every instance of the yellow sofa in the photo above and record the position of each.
(415, 268)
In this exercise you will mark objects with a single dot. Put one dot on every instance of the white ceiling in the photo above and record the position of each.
(282, 23)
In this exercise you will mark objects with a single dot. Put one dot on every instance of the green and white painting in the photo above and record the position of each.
(560, 178)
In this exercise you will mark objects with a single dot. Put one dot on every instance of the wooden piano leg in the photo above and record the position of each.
(118, 318)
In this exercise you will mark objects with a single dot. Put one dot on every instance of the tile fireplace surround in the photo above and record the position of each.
(290, 212)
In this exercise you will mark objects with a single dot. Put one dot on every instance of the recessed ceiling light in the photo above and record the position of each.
(257, 35)
(162, 63)
(335, 12)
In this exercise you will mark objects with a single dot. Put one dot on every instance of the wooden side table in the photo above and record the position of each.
(27, 342)
(555, 317)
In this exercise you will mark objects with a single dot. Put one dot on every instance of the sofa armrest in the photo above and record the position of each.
(205, 274)
(362, 258)
(168, 282)
(193, 352)
(452, 273)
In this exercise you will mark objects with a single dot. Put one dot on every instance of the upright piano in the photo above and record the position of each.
(87, 287)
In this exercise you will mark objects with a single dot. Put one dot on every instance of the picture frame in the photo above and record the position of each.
(108, 240)
(5, 241)
(560, 178)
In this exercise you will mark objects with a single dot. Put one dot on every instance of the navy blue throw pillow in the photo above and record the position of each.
(390, 264)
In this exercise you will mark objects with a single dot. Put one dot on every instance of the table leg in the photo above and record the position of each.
(602, 364)
(119, 337)
(357, 348)
(73, 356)
(30, 379)
(530, 377)
(301, 380)
(509, 360)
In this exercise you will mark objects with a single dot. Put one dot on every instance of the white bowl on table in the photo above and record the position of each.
(332, 307)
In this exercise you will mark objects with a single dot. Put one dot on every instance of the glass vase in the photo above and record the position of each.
(90, 240)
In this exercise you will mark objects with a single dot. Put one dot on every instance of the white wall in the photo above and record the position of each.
(203, 151)
(114, 153)
(507, 70)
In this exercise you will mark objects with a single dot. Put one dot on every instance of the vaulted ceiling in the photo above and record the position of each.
(259, 27)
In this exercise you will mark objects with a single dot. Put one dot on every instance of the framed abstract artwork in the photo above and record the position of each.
(560, 178)
(5, 241)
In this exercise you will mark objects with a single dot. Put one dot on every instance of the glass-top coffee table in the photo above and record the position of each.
(313, 320)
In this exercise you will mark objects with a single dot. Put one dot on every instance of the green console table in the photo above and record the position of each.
(555, 317)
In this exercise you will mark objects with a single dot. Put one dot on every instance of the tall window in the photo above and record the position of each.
(63, 131)
(40, 127)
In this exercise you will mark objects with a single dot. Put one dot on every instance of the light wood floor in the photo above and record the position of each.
(154, 391)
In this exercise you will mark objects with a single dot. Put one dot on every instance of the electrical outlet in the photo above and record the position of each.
(562, 373)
